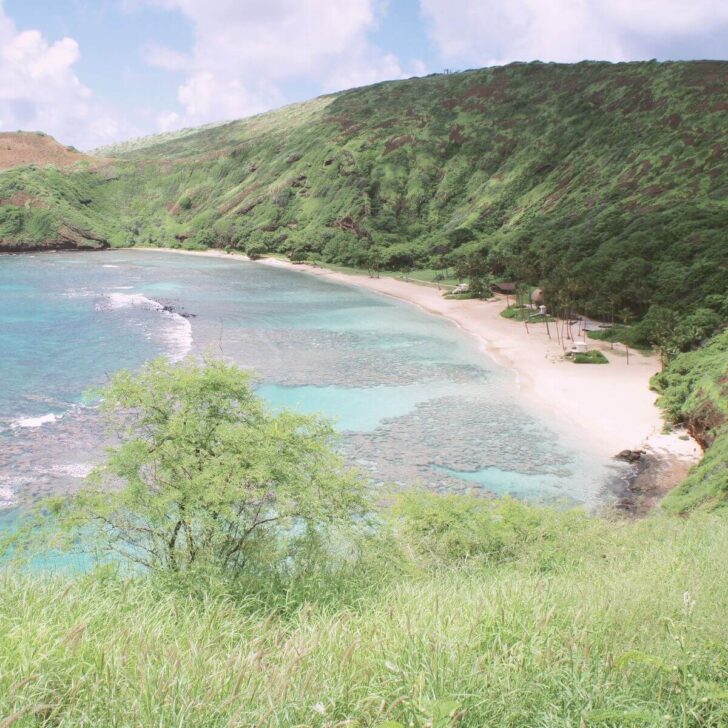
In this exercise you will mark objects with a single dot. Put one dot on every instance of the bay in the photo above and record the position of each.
(414, 400)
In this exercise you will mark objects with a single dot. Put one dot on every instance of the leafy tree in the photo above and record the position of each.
(474, 267)
(696, 327)
(225, 232)
(255, 250)
(204, 477)
(373, 259)
(204, 238)
(297, 255)
(659, 329)
(401, 256)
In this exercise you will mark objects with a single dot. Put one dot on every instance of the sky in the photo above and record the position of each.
(92, 72)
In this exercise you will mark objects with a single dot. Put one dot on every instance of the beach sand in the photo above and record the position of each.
(609, 408)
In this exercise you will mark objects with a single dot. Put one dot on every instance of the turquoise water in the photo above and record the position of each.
(412, 398)
(504, 482)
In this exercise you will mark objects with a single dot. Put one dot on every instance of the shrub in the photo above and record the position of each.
(593, 356)
(449, 529)
(204, 477)
(255, 250)
(201, 240)
(11, 221)
(297, 256)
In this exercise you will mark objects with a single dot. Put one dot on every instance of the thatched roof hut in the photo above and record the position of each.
(507, 288)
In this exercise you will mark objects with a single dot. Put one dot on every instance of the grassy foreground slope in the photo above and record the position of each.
(591, 625)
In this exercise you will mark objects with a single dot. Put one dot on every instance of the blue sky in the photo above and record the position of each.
(95, 71)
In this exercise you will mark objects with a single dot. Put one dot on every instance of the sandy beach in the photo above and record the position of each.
(609, 407)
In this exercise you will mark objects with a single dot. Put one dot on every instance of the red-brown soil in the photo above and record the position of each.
(20, 148)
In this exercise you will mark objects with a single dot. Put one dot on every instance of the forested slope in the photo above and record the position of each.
(607, 183)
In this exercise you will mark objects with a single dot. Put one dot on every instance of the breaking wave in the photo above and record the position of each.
(35, 421)
(177, 334)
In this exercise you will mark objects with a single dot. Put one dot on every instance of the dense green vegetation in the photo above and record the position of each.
(45, 206)
(431, 611)
(694, 391)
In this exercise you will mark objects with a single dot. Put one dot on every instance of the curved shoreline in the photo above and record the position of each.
(609, 408)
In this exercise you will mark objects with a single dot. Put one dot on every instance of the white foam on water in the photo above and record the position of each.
(6, 498)
(178, 336)
(126, 300)
(7, 492)
(35, 421)
(78, 293)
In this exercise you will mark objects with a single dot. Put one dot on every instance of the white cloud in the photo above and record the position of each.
(168, 120)
(228, 98)
(665, 17)
(246, 52)
(370, 70)
(489, 32)
(40, 91)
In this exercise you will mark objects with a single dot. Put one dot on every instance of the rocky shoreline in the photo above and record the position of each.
(655, 471)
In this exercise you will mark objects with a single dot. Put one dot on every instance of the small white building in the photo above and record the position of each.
(579, 347)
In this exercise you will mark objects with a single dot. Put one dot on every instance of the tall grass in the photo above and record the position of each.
(608, 626)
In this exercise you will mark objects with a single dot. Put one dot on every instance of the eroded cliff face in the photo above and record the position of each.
(46, 196)
(67, 238)
(706, 421)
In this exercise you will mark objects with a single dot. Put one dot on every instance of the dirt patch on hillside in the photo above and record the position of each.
(22, 199)
(397, 142)
(20, 148)
(238, 199)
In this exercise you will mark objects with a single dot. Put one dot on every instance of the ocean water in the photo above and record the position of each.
(413, 399)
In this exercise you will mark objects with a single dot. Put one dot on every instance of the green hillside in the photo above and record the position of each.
(607, 184)
(549, 173)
